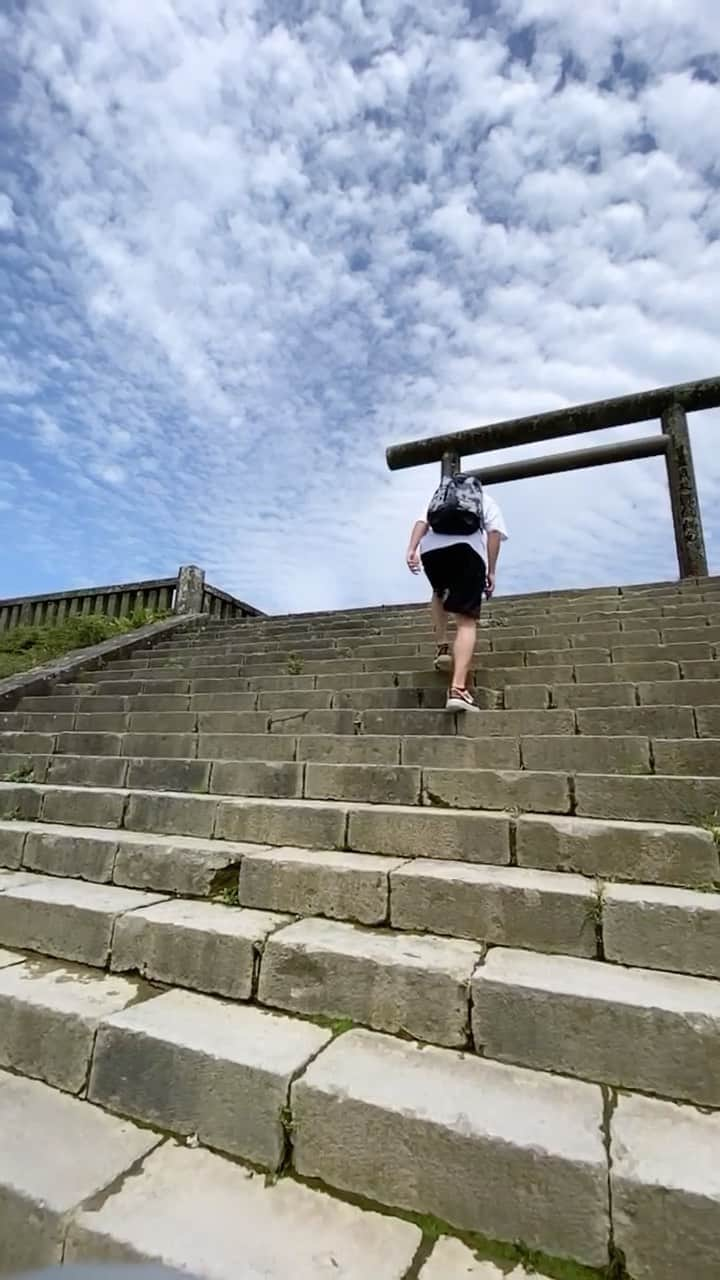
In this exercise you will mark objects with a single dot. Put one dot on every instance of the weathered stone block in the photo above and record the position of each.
(430, 833)
(665, 1171)
(700, 757)
(173, 864)
(48, 1017)
(12, 843)
(202, 945)
(230, 1067)
(586, 755)
(655, 722)
(505, 906)
(375, 784)
(659, 799)
(312, 823)
(65, 852)
(157, 774)
(461, 753)
(70, 919)
(18, 801)
(246, 746)
(610, 694)
(391, 982)
(577, 1017)
(529, 697)
(495, 789)
(708, 721)
(434, 1131)
(171, 814)
(662, 928)
(627, 672)
(329, 748)
(344, 886)
(647, 851)
(87, 771)
(272, 778)
(73, 805)
(679, 693)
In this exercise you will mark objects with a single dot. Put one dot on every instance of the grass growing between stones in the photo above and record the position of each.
(24, 773)
(295, 665)
(23, 648)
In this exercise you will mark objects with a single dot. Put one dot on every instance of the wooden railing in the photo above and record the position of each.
(186, 593)
(669, 404)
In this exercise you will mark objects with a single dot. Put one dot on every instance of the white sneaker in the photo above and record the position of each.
(443, 659)
(461, 700)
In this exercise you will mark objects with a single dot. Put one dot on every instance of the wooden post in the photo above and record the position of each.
(190, 589)
(689, 539)
(450, 464)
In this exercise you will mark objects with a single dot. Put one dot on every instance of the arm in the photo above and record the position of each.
(494, 542)
(419, 530)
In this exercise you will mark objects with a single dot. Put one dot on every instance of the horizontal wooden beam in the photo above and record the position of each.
(551, 464)
(620, 412)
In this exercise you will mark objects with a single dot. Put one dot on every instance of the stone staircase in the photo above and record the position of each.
(303, 976)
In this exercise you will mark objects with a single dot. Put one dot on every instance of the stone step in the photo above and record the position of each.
(186, 865)
(577, 1017)
(395, 830)
(660, 663)
(661, 798)
(489, 1148)
(69, 919)
(400, 983)
(180, 1199)
(652, 851)
(646, 925)
(49, 1016)
(179, 729)
(231, 1068)
(620, 699)
(203, 945)
(665, 1170)
(56, 1155)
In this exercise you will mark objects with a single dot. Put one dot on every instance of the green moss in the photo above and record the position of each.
(23, 648)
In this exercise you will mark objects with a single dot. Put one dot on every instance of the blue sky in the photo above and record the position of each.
(247, 244)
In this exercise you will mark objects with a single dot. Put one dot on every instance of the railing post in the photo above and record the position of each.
(190, 589)
(450, 464)
(689, 540)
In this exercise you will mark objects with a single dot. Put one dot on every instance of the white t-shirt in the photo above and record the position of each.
(493, 523)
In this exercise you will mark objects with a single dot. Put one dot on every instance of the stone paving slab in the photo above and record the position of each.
(334, 883)
(56, 1154)
(452, 1260)
(197, 1211)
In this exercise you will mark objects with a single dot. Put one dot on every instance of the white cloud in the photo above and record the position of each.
(7, 213)
(261, 241)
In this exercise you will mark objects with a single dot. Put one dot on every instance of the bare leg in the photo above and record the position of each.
(439, 620)
(463, 650)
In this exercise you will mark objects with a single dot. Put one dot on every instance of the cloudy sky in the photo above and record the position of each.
(247, 244)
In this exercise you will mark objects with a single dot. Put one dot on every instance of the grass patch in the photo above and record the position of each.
(23, 773)
(295, 665)
(23, 648)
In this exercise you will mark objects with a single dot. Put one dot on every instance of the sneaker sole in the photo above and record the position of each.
(454, 704)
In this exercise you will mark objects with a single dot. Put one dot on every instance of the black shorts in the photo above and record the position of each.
(457, 576)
